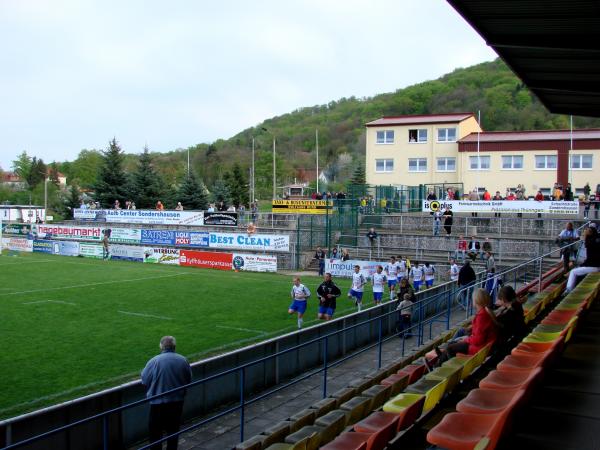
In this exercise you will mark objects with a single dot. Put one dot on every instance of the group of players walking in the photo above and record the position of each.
(392, 275)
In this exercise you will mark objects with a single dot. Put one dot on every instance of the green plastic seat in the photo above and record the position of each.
(401, 402)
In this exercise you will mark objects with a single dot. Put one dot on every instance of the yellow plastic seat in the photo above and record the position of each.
(452, 374)
(401, 402)
(433, 390)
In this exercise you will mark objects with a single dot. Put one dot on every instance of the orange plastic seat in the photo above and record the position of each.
(377, 421)
(527, 348)
(486, 401)
(522, 362)
(502, 379)
(559, 317)
(408, 407)
(352, 440)
(414, 372)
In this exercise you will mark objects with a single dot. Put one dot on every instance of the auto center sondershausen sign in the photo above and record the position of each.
(502, 206)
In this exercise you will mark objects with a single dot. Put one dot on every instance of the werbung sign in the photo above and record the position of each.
(502, 206)
(301, 206)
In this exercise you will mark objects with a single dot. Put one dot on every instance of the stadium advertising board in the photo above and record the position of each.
(208, 260)
(90, 250)
(503, 206)
(191, 238)
(66, 248)
(301, 206)
(126, 235)
(43, 246)
(242, 241)
(127, 253)
(141, 216)
(161, 255)
(18, 244)
(168, 237)
(254, 263)
(69, 232)
(339, 268)
(158, 237)
(221, 218)
(16, 228)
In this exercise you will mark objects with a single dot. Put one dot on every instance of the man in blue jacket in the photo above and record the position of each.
(164, 372)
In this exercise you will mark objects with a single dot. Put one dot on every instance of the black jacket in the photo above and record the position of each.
(325, 288)
(466, 275)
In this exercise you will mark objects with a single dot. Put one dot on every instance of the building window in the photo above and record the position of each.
(446, 134)
(446, 164)
(581, 162)
(417, 164)
(385, 137)
(384, 165)
(479, 162)
(417, 135)
(512, 162)
(545, 162)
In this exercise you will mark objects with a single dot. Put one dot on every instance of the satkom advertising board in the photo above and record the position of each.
(242, 241)
(254, 263)
(502, 206)
(141, 216)
(339, 268)
(127, 253)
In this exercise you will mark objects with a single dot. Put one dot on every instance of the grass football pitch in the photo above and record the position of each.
(72, 326)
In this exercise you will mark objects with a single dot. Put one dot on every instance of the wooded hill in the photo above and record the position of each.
(505, 104)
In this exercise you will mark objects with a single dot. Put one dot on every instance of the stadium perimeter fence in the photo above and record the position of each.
(227, 384)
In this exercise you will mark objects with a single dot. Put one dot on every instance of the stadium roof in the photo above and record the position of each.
(420, 119)
(521, 136)
(552, 45)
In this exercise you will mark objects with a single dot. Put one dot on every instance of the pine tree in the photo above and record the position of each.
(147, 185)
(220, 192)
(192, 193)
(37, 172)
(359, 176)
(237, 184)
(71, 201)
(111, 183)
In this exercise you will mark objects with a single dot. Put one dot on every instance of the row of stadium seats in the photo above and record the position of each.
(403, 389)
(485, 414)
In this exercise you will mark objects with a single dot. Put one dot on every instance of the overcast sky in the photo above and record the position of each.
(75, 73)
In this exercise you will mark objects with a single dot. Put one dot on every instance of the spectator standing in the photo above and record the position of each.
(539, 197)
(448, 221)
(117, 204)
(405, 309)
(497, 197)
(490, 273)
(453, 272)
(486, 247)
(328, 292)
(372, 236)
(334, 253)
(466, 278)
(405, 288)
(242, 212)
(568, 193)
(300, 294)
(254, 212)
(159, 206)
(592, 261)
(474, 197)
(179, 207)
(378, 279)
(487, 196)
(437, 221)
(222, 207)
(587, 189)
(165, 372)
(320, 257)
(557, 192)
(345, 254)
(431, 196)
(461, 248)
(566, 237)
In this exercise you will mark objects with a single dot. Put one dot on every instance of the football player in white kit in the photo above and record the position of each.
(378, 279)
(429, 271)
(358, 283)
(402, 268)
(453, 270)
(300, 294)
(391, 269)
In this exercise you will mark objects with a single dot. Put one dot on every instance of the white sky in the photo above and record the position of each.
(75, 73)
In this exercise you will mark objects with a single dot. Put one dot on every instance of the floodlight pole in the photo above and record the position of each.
(274, 173)
(317, 148)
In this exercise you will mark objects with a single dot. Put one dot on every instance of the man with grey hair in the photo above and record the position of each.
(165, 372)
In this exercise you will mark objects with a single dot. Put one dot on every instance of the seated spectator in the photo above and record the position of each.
(483, 330)
(345, 255)
(473, 248)
(591, 264)
(461, 248)
(509, 317)
(132, 206)
(159, 206)
(117, 205)
(211, 208)
(179, 207)
(231, 209)
(251, 228)
(334, 253)
(486, 247)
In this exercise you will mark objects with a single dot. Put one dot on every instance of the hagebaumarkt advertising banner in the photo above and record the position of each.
(125, 235)
(161, 255)
(339, 268)
(243, 241)
(255, 263)
(69, 232)
(90, 250)
(503, 206)
(208, 260)
(17, 228)
(126, 252)
(300, 206)
(141, 216)
(43, 246)
(18, 244)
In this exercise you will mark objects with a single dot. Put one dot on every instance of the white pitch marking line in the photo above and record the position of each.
(242, 329)
(94, 284)
(146, 315)
(50, 301)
